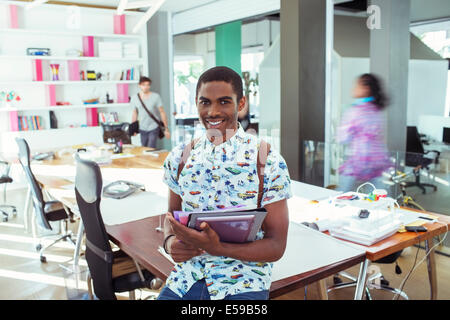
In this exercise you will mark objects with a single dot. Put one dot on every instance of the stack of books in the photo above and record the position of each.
(108, 117)
(28, 123)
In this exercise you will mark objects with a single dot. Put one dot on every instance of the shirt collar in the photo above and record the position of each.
(237, 138)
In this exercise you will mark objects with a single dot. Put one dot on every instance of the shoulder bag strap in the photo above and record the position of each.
(185, 155)
(159, 122)
(263, 152)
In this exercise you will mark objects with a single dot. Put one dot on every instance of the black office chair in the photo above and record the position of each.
(45, 211)
(5, 179)
(110, 271)
(415, 157)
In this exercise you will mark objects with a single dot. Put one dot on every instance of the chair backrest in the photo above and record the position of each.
(99, 256)
(413, 142)
(36, 191)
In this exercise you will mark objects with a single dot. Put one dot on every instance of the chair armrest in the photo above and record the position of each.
(51, 206)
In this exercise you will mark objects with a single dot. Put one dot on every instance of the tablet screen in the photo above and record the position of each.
(229, 229)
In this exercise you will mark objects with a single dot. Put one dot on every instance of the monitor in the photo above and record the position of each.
(446, 135)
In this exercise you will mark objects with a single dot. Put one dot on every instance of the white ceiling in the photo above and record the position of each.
(420, 9)
(169, 5)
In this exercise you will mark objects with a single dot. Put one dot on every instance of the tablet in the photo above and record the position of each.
(230, 229)
(231, 226)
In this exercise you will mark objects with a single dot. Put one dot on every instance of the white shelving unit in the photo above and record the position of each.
(66, 107)
(54, 33)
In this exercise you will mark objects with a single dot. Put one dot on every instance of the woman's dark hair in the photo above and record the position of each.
(144, 79)
(376, 89)
(222, 74)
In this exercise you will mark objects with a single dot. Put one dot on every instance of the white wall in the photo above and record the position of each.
(270, 96)
(255, 34)
(427, 89)
(433, 126)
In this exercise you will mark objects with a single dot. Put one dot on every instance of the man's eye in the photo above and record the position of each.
(204, 102)
(224, 102)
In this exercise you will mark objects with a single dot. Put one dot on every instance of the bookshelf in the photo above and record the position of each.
(31, 78)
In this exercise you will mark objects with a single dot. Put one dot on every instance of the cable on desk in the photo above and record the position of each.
(396, 296)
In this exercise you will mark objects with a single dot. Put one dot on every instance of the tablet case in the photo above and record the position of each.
(231, 226)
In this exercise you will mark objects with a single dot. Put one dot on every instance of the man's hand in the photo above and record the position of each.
(167, 133)
(180, 251)
(207, 239)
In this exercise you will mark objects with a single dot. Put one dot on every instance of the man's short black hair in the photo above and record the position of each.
(222, 74)
(144, 79)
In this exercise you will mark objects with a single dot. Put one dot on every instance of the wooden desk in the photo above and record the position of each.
(139, 160)
(400, 241)
(141, 241)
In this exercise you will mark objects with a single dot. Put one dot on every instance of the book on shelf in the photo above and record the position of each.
(108, 117)
(29, 123)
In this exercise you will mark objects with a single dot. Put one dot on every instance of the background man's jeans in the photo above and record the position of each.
(149, 138)
(199, 291)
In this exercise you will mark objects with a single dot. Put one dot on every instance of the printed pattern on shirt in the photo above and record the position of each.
(215, 177)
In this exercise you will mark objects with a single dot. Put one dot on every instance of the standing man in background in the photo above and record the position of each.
(148, 128)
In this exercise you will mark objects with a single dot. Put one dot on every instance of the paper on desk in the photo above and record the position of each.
(135, 207)
(168, 257)
(122, 156)
(303, 210)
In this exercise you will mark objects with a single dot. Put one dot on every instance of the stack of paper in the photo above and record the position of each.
(131, 50)
(109, 49)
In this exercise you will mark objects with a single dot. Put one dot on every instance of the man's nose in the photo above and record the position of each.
(215, 110)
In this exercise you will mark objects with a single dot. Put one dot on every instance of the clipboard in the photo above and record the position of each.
(231, 226)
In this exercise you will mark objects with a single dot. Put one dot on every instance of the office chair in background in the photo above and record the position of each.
(376, 281)
(415, 157)
(44, 211)
(110, 271)
(5, 179)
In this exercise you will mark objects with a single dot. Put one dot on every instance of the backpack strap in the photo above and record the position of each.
(185, 156)
(263, 152)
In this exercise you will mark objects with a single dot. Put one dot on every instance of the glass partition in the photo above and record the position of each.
(415, 180)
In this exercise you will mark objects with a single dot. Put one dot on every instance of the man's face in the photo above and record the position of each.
(218, 108)
(145, 87)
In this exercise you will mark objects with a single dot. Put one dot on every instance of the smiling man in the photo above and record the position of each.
(225, 167)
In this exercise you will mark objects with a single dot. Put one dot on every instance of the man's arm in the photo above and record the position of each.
(269, 249)
(134, 115)
(164, 120)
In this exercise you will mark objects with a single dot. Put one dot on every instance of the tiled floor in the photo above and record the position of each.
(23, 276)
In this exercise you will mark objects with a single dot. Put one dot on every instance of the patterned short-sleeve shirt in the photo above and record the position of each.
(216, 177)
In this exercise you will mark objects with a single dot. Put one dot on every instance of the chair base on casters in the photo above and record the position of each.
(421, 186)
(417, 183)
(371, 284)
(65, 237)
(5, 214)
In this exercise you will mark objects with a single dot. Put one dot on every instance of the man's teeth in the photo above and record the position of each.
(214, 123)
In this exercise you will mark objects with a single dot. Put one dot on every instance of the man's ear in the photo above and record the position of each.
(242, 103)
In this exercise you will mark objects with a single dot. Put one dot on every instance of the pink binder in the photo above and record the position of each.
(88, 46)
(92, 117)
(13, 121)
(122, 93)
(74, 70)
(13, 21)
(51, 95)
(37, 70)
(119, 24)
